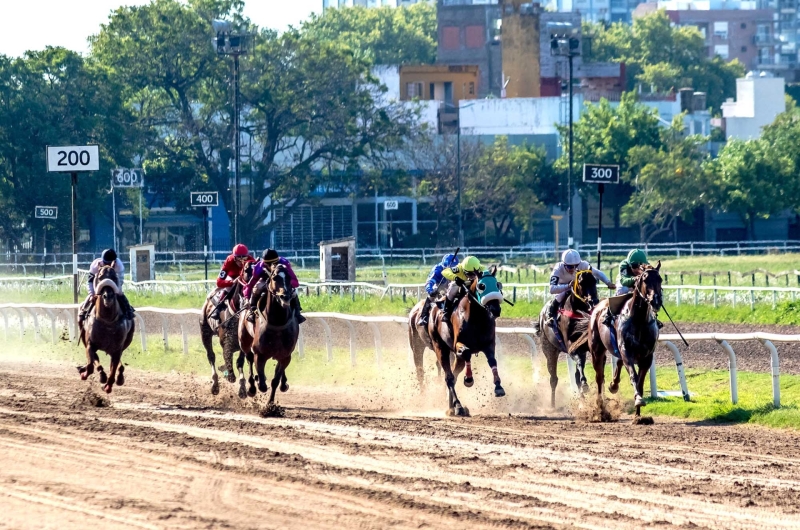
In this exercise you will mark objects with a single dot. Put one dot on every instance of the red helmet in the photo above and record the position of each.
(240, 250)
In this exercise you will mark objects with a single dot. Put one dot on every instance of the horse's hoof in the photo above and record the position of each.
(107, 389)
(499, 392)
(584, 388)
(84, 375)
(214, 388)
(461, 411)
(639, 402)
(231, 377)
(284, 387)
(469, 381)
(262, 387)
(613, 388)
(120, 380)
(251, 391)
(103, 377)
(243, 391)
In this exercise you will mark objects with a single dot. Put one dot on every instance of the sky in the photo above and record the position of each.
(34, 24)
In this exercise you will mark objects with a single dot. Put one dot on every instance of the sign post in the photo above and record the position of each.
(126, 178)
(45, 212)
(391, 206)
(600, 175)
(71, 159)
(204, 200)
(556, 219)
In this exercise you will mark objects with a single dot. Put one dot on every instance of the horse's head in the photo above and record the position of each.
(489, 292)
(584, 287)
(648, 286)
(278, 285)
(105, 285)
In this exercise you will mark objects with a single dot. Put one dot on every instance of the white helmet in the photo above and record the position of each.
(571, 257)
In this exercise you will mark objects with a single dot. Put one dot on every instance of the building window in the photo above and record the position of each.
(744, 26)
(744, 49)
(451, 38)
(721, 30)
(471, 88)
(722, 50)
(414, 90)
(475, 36)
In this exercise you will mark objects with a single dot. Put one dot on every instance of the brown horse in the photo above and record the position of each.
(637, 328)
(572, 323)
(106, 329)
(226, 330)
(471, 330)
(273, 336)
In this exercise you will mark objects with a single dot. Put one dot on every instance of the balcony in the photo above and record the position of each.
(764, 40)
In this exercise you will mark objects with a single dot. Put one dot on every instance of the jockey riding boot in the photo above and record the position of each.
(447, 312)
(552, 312)
(85, 308)
(608, 320)
(423, 316)
(659, 324)
(125, 306)
(296, 305)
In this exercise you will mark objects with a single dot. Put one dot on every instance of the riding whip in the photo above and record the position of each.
(673, 324)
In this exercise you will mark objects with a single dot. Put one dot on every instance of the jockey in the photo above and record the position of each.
(231, 269)
(562, 277)
(465, 273)
(260, 270)
(435, 283)
(108, 258)
(629, 269)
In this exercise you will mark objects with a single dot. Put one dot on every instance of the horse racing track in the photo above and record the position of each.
(164, 454)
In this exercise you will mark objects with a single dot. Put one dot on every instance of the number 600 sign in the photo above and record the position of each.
(74, 158)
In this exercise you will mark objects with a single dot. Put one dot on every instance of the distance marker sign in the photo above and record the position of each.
(73, 158)
(127, 178)
(601, 174)
(47, 212)
(204, 199)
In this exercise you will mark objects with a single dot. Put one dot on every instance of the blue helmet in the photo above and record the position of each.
(450, 260)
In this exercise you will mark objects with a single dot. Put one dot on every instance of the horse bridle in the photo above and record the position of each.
(576, 284)
(640, 284)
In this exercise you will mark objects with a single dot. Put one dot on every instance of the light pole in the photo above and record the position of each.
(234, 44)
(565, 43)
(458, 173)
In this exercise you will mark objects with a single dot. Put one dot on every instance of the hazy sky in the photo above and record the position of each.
(34, 24)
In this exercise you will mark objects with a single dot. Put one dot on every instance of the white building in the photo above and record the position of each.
(327, 4)
(759, 100)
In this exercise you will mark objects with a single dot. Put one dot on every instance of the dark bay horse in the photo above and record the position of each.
(226, 329)
(273, 336)
(572, 324)
(471, 330)
(633, 339)
(106, 329)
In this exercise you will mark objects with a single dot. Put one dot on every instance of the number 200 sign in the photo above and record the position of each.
(601, 174)
(71, 159)
(204, 199)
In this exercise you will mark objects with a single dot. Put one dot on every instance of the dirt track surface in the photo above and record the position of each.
(164, 454)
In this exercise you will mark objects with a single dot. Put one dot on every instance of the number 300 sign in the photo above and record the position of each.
(71, 159)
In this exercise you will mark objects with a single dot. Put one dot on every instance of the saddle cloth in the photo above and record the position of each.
(615, 303)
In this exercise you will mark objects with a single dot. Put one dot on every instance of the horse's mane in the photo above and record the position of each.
(106, 272)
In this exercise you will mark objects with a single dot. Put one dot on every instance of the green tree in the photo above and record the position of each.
(753, 179)
(666, 57)
(55, 97)
(670, 182)
(384, 35)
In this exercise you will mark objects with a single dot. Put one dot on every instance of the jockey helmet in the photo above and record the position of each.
(270, 256)
(240, 251)
(471, 264)
(109, 256)
(637, 256)
(450, 260)
(571, 257)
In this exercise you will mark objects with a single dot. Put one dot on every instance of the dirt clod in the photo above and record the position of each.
(90, 398)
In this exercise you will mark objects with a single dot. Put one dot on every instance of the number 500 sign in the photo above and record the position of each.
(71, 159)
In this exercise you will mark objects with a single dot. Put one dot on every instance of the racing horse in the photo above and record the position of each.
(572, 325)
(471, 330)
(637, 328)
(226, 329)
(106, 329)
(273, 336)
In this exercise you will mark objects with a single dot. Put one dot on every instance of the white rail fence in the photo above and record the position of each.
(60, 316)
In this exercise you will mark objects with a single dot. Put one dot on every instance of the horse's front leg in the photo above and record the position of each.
(499, 391)
(91, 356)
(644, 365)
(466, 356)
(458, 409)
(261, 361)
(580, 371)
(630, 365)
(240, 367)
(206, 335)
(614, 386)
(112, 371)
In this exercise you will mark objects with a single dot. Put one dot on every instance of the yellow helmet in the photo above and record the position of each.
(471, 264)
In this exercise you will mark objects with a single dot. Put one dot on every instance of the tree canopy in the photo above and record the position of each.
(664, 57)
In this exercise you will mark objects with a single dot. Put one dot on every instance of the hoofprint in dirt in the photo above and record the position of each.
(167, 455)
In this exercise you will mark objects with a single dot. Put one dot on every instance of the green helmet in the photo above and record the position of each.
(637, 256)
(471, 264)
